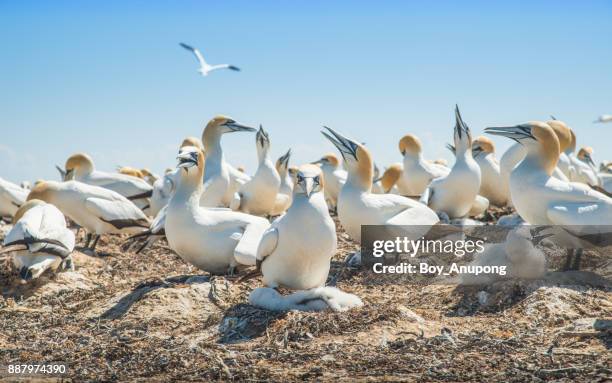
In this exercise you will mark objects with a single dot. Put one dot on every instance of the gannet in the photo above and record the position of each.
(130, 171)
(518, 253)
(604, 118)
(542, 199)
(285, 191)
(258, 195)
(81, 167)
(290, 256)
(358, 206)
(11, 198)
(455, 193)
(588, 176)
(217, 191)
(98, 210)
(483, 150)
(390, 177)
(213, 239)
(205, 68)
(39, 240)
(335, 177)
(417, 172)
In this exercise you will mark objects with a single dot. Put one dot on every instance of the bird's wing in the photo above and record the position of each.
(237, 176)
(13, 193)
(224, 66)
(120, 214)
(397, 210)
(197, 54)
(246, 249)
(268, 243)
(125, 185)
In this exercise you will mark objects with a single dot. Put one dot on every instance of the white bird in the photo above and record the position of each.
(258, 195)
(455, 193)
(213, 239)
(39, 240)
(284, 197)
(417, 171)
(604, 118)
(290, 256)
(518, 254)
(585, 169)
(542, 199)
(335, 178)
(11, 198)
(205, 68)
(80, 167)
(98, 210)
(217, 179)
(357, 206)
(483, 150)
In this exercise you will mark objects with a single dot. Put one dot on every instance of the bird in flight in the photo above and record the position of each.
(604, 118)
(205, 68)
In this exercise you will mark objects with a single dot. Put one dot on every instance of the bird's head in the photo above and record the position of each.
(462, 134)
(390, 177)
(536, 136)
(262, 141)
(79, 163)
(191, 159)
(585, 154)
(330, 159)
(481, 145)
(410, 144)
(308, 180)
(283, 162)
(357, 158)
(192, 141)
(563, 132)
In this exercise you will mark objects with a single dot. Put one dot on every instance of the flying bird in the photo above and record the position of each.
(604, 118)
(205, 68)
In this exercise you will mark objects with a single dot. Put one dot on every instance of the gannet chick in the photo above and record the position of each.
(290, 256)
(258, 196)
(130, 171)
(81, 167)
(335, 177)
(542, 199)
(285, 191)
(390, 177)
(483, 150)
(39, 240)
(98, 210)
(212, 239)
(217, 191)
(358, 206)
(11, 198)
(417, 172)
(518, 253)
(455, 193)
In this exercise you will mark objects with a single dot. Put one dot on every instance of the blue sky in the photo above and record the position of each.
(109, 78)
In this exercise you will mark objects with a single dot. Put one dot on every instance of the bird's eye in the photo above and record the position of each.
(316, 180)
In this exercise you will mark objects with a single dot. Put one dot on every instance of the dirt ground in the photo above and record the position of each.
(152, 317)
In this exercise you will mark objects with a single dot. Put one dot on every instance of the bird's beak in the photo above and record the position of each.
(234, 126)
(187, 159)
(451, 148)
(68, 173)
(262, 136)
(460, 126)
(516, 133)
(62, 172)
(308, 185)
(589, 159)
(284, 160)
(344, 145)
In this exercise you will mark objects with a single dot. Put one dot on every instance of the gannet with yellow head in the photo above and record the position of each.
(285, 191)
(358, 206)
(98, 210)
(215, 240)
(39, 240)
(335, 178)
(483, 150)
(290, 256)
(12, 196)
(218, 186)
(258, 195)
(390, 176)
(417, 171)
(455, 193)
(80, 167)
(542, 199)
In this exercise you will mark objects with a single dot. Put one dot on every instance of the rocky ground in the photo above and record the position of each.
(152, 317)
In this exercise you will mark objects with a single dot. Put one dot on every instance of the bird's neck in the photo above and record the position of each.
(190, 187)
